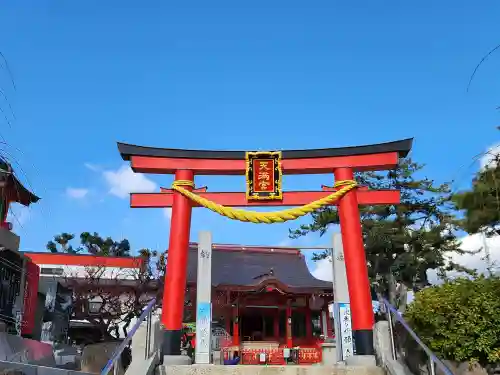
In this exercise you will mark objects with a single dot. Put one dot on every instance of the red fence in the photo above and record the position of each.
(30, 297)
(303, 356)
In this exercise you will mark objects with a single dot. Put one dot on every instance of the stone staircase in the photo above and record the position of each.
(148, 363)
(340, 369)
(357, 365)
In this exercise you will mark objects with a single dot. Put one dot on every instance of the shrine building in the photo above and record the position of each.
(263, 296)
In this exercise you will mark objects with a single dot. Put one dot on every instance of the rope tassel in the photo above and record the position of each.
(265, 217)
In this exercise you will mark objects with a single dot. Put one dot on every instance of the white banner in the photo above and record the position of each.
(344, 337)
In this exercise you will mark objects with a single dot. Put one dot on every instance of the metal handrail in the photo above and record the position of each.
(21, 354)
(433, 360)
(147, 312)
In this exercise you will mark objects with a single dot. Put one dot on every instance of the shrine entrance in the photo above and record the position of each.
(254, 327)
(263, 171)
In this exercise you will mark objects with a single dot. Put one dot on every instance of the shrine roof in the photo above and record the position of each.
(237, 265)
(14, 191)
(402, 147)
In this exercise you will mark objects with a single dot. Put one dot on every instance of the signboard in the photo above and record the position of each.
(52, 271)
(345, 337)
(203, 299)
(203, 329)
(263, 175)
(342, 307)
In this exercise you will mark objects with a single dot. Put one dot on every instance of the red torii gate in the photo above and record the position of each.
(343, 162)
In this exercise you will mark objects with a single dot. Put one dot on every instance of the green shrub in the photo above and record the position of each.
(459, 320)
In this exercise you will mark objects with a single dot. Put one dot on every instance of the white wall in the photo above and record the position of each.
(83, 271)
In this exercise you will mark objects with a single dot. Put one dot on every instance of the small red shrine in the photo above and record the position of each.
(265, 298)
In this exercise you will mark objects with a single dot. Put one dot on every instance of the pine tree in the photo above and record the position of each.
(89, 243)
(481, 204)
(402, 242)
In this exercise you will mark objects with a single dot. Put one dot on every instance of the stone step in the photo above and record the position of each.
(269, 370)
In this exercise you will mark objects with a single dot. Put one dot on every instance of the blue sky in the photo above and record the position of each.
(232, 75)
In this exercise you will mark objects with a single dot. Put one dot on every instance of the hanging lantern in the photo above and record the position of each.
(316, 303)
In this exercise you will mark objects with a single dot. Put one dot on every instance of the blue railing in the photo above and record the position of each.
(147, 313)
(433, 360)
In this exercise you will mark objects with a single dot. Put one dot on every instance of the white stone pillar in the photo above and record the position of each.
(341, 306)
(204, 299)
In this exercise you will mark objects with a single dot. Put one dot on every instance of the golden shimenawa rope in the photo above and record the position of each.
(265, 217)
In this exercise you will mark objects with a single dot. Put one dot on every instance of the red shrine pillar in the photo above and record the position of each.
(289, 341)
(236, 326)
(356, 268)
(175, 278)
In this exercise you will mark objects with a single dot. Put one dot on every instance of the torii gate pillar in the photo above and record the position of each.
(175, 275)
(356, 270)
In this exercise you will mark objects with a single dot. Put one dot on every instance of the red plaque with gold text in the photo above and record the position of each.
(264, 175)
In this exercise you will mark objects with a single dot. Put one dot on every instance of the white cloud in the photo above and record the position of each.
(167, 212)
(477, 261)
(475, 242)
(487, 161)
(77, 193)
(93, 167)
(124, 181)
(324, 269)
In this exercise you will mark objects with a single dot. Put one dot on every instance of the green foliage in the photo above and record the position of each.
(481, 204)
(97, 245)
(401, 241)
(459, 320)
(89, 243)
(156, 262)
(63, 240)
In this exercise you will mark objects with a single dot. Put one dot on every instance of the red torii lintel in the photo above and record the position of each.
(380, 156)
(341, 161)
(161, 165)
(290, 198)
